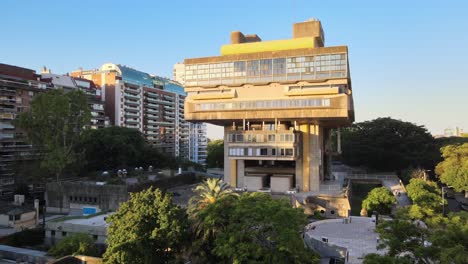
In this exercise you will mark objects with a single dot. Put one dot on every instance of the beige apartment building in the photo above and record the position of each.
(278, 102)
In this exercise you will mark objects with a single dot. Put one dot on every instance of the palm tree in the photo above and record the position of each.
(204, 227)
(208, 192)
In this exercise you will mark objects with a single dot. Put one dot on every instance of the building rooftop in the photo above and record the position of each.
(97, 220)
(12, 209)
(135, 77)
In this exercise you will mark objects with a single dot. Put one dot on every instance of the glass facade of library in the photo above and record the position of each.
(325, 66)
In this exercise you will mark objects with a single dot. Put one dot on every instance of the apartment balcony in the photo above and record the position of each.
(151, 133)
(152, 128)
(132, 90)
(132, 96)
(131, 108)
(152, 122)
(7, 101)
(7, 116)
(131, 103)
(153, 100)
(130, 114)
(149, 110)
(132, 121)
(151, 117)
(167, 102)
(168, 107)
(165, 123)
(152, 105)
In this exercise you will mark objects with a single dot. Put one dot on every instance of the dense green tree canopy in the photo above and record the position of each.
(444, 240)
(263, 230)
(387, 144)
(119, 147)
(380, 200)
(378, 259)
(112, 147)
(215, 157)
(76, 244)
(425, 194)
(252, 228)
(148, 228)
(400, 235)
(453, 170)
(54, 124)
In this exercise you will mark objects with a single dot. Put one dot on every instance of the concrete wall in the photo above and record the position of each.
(325, 249)
(332, 206)
(66, 229)
(253, 183)
(108, 197)
(4, 220)
(281, 184)
(27, 220)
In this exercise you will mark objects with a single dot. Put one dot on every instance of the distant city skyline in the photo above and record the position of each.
(406, 58)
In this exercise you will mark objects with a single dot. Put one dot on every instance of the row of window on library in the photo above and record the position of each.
(260, 138)
(259, 152)
(260, 104)
(267, 67)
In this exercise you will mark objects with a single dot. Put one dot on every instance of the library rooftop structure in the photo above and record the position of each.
(278, 102)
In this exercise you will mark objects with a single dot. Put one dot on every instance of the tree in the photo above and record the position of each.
(215, 157)
(208, 192)
(380, 200)
(119, 147)
(261, 229)
(54, 123)
(401, 236)
(444, 240)
(453, 170)
(387, 144)
(426, 198)
(112, 147)
(204, 232)
(76, 244)
(207, 223)
(148, 228)
(378, 259)
(449, 239)
(411, 173)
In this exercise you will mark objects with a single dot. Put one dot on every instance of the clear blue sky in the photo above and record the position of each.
(408, 59)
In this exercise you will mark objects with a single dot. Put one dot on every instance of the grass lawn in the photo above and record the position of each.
(359, 193)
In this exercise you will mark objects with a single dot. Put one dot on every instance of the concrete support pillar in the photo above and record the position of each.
(305, 129)
(298, 184)
(240, 173)
(227, 161)
(315, 157)
(233, 173)
(312, 151)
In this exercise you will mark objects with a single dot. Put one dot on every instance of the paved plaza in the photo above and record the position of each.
(358, 237)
